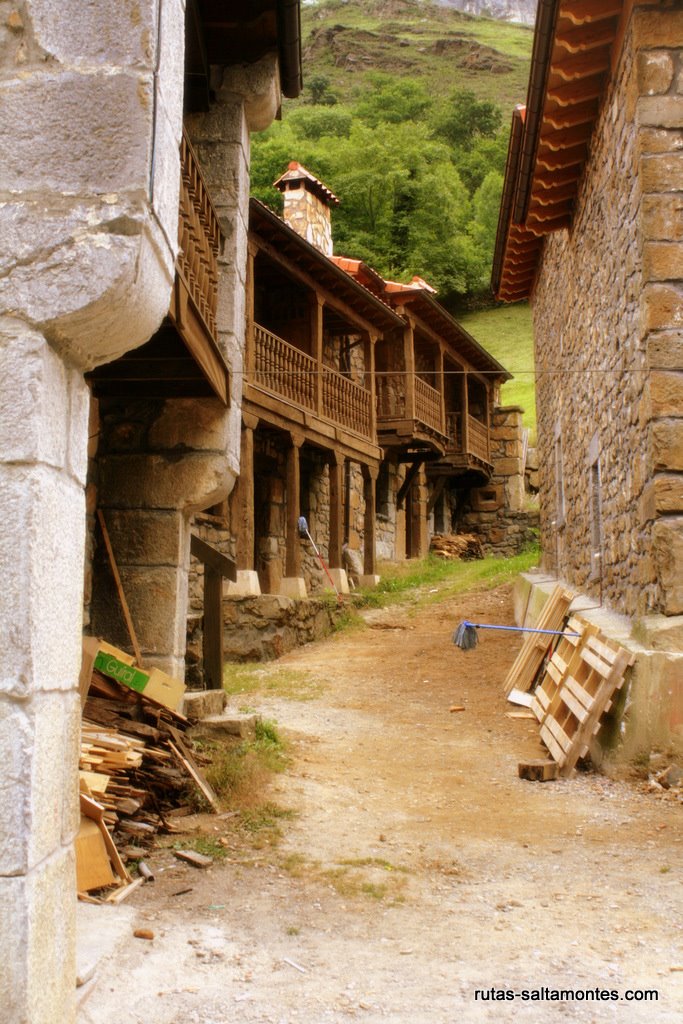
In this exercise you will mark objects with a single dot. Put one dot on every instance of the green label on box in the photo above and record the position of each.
(110, 666)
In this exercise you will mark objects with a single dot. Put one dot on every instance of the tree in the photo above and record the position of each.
(391, 100)
(319, 92)
(465, 118)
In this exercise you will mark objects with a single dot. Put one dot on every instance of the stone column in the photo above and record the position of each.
(88, 229)
(293, 584)
(369, 578)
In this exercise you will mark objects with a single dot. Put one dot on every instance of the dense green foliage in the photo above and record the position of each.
(417, 162)
(506, 332)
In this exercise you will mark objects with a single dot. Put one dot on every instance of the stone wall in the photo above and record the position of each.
(496, 512)
(266, 627)
(608, 308)
(89, 180)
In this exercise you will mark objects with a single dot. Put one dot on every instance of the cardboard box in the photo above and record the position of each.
(116, 664)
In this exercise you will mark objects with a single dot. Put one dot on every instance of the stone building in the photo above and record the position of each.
(124, 259)
(366, 407)
(590, 228)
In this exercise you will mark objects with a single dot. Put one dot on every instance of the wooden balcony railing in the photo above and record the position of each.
(286, 371)
(199, 238)
(428, 405)
(477, 437)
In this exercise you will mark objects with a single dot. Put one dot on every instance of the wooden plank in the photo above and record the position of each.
(185, 759)
(119, 588)
(553, 746)
(519, 697)
(528, 662)
(575, 706)
(538, 770)
(213, 628)
(219, 562)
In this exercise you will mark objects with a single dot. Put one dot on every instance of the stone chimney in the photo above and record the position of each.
(307, 206)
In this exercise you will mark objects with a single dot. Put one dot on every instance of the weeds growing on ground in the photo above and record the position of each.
(270, 678)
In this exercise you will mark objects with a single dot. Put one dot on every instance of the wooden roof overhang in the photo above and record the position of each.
(227, 32)
(315, 271)
(441, 328)
(573, 51)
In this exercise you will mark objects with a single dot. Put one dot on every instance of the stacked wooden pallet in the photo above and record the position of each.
(529, 661)
(576, 692)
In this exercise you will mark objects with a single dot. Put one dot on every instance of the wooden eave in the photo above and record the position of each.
(571, 61)
(442, 327)
(316, 271)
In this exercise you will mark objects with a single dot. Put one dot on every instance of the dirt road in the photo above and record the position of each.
(417, 871)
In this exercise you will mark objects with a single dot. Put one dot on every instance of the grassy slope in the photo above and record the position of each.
(398, 37)
(507, 334)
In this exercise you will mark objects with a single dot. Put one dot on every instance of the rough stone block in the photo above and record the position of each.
(247, 584)
(340, 580)
(657, 29)
(666, 445)
(293, 587)
(660, 140)
(508, 467)
(201, 704)
(42, 541)
(48, 144)
(34, 415)
(195, 480)
(668, 490)
(655, 71)
(146, 537)
(166, 182)
(661, 111)
(662, 172)
(665, 350)
(662, 217)
(663, 261)
(667, 543)
(97, 34)
(660, 632)
(662, 305)
(666, 393)
(38, 923)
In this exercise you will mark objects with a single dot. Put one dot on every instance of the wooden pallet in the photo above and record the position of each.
(564, 659)
(526, 665)
(583, 695)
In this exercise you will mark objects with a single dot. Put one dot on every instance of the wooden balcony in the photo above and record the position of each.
(183, 358)
(409, 417)
(471, 452)
(298, 382)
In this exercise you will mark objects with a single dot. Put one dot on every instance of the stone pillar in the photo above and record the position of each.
(293, 584)
(369, 578)
(88, 229)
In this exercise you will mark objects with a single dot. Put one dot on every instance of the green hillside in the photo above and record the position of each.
(445, 49)
(506, 332)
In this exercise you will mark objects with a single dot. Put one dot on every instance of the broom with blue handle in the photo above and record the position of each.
(465, 636)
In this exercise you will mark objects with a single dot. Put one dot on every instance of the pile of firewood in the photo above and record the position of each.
(464, 546)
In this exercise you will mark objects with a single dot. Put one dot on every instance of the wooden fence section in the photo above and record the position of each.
(199, 237)
(428, 405)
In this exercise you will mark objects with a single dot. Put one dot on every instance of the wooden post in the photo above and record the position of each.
(442, 390)
(213, 628)
(317, 307)
(464, 431)
(418, 518)
(245, 498)
(250, 341)
(370, 474)
(409, 361)
(371, 382)
(487, 419)
(293, 554)
(336, 464)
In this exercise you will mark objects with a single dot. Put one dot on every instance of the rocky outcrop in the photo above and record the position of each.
(522, 11)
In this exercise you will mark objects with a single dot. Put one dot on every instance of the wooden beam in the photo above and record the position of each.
(292, 540)
(336, 469)
(565, 138)
(209, 556)
(586, 66)
(568, 117)
(212, 643)
(578, 40)
(437, 491)
(565, 158)
(370, 474)
(409, 477)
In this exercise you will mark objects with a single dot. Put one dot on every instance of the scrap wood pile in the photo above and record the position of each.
(136, 773)
(569, 685)
(465, 546)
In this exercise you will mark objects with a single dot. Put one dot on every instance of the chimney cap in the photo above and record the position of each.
(296, 174)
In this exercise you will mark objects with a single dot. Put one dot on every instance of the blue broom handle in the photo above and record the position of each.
(522, 629)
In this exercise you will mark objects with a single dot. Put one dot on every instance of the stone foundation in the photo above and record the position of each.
(266, 627)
